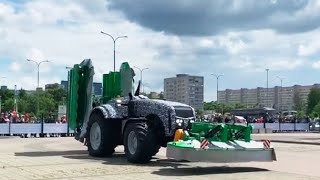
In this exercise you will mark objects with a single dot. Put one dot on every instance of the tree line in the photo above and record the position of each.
(26, 101)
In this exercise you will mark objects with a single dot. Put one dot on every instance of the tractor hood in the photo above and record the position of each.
(170, 103)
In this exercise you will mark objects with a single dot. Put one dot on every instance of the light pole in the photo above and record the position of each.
(217, 77)
(38, 65)
(280, 104)
(267, 87)
(15, 99)
(114, 47)
(38, 81)
(264, 121)
(0, 104)
(141, 71)
(145, 85)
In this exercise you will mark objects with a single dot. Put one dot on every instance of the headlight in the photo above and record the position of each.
(191, 121)
(179, 121)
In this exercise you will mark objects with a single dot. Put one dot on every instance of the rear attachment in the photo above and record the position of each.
(219, 143)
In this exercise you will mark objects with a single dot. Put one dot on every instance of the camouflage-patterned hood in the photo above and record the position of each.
(170, 103)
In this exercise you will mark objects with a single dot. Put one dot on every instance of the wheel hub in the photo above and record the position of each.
(95, 136)
(132, 142)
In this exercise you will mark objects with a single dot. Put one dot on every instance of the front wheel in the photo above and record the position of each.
(100, 139)
(139, 143)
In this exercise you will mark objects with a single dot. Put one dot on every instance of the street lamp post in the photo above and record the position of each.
(267, 87)
(114, 47)
(264, 121)
(280, 103)
(217, 77)
(38, 81)
(141, 71)
(38, 65)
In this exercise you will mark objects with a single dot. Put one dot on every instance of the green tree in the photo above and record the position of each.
(199, 112)
(8, 105)
(299, 105)
(209, 105)
(316, 111)
(57, 94)
(161, 96)
(6, 94)
(238, 106)
(22, 93)
(313, 99)
(22, 105)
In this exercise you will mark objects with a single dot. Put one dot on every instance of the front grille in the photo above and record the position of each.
(184, 112)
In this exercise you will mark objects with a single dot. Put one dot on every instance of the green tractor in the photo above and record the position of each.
(122, 116)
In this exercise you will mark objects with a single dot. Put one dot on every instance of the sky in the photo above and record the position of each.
(236, 38)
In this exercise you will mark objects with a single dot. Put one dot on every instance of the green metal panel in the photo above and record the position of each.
(224, 132)
(79, 93)
(111, 86)
(73, 96)
(117, 83)
(127, 75)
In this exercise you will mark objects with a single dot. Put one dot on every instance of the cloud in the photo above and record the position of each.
(16, 67)
(206, 17)
(316, 65)
(239, 40)
(248, 64)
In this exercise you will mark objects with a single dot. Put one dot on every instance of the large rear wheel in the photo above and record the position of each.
(100, 136)
(139, 142)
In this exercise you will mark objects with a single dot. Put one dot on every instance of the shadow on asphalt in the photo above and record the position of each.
(50, 153)
(195, 171)
(315, 138)
(168, 167)
(120, 159)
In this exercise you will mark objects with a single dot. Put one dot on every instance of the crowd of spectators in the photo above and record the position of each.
(229, 118)
(13, 117)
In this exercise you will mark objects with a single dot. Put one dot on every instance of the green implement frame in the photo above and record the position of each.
(80, 96)
(79, 92)
(219, 143)
(216, 132)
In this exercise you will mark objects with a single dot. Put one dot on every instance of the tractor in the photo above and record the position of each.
(123, 116)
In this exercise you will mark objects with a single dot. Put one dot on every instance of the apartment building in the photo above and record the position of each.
(96, 87)
(186, 89)
(280, 98)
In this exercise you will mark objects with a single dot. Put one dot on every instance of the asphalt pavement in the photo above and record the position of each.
(293, 138)
(65, 158)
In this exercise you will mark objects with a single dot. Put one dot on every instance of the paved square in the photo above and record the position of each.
(65, 158)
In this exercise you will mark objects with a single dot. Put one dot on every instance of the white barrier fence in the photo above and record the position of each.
(45, 128)
(49, 128)
(283, 126)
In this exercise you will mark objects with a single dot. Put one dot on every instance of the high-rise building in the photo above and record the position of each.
(186, 89)
(52, 86)
(280, 98)
(3, 88)
(64, 85)
(96, 87)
